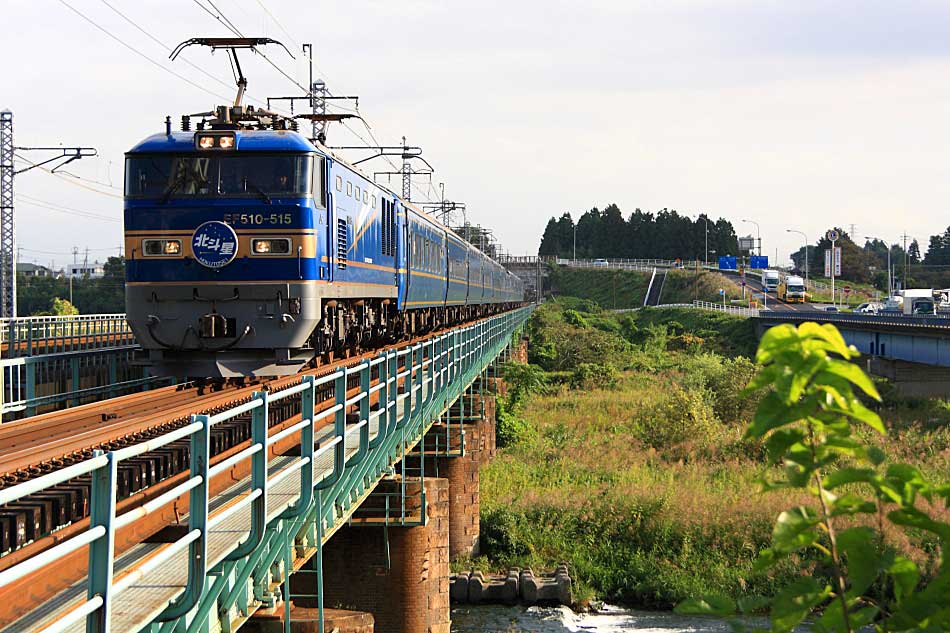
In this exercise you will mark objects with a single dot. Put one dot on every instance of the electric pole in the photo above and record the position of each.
(8, 249)
(904, 237)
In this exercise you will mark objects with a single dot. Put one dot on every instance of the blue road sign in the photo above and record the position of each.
(728, 262)
(759, 261)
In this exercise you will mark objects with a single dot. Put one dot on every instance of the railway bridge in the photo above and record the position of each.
(255, 507)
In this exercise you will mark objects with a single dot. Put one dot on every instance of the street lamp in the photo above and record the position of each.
(802, 233)
(889, 281)
(758, 234)
(575, 245)
(706, 226)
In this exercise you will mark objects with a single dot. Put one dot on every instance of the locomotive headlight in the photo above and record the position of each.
(215, 140)
(270, 246)
(161, 247)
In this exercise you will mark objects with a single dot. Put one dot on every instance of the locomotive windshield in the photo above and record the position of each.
(166, 176)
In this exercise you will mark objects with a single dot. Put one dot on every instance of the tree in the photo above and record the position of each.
(550, 241)
(913, 253)
(62, 307)
(665, 235)
(588, 234)
(612, 230)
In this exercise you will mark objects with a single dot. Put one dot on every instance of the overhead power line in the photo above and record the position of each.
(140, 53)
(279, 25)
(223, 19)
(162, 44)
(74, 180)
(52, 206)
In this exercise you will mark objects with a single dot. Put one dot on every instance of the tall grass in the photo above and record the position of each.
(643, 486)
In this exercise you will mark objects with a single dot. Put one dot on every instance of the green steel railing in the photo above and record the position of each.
(415, 386)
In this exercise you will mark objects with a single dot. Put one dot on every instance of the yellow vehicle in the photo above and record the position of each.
(792, 290)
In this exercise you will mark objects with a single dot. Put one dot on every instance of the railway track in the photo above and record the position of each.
(49, 442)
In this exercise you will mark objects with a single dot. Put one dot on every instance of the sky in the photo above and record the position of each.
(792, 114)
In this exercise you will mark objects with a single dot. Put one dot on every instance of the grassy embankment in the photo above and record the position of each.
(624, 456)
(616, 289)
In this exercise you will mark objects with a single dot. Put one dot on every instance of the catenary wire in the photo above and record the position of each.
(138, 52)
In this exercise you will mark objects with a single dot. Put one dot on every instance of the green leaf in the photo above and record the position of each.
(830, 335)
(775, 340)
(844, 476)
(751, 604)
(803, 375)
(905, 574)
(876, 455)
(850, 504)
(767, 559)
(716, 605)
(862, 558)
(795, 602)
(913, 517)
(853, 374)
(831, 620)
(773, 413)
(861, 413)
(782, 440)
(794, 530)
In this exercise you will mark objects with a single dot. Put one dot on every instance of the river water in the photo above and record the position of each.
(498, 619)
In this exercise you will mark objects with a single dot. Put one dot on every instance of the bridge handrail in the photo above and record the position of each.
(27, 336)
(454, 352)
(900, 319)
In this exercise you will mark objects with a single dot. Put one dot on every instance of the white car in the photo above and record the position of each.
(869, 308)
(600, 263)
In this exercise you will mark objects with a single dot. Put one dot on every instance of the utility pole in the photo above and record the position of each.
(8, 248)
(406, 173)
(904, 236)
(406, 152)
(7, 218)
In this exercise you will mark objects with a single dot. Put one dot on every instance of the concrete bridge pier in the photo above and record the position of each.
(456, 449)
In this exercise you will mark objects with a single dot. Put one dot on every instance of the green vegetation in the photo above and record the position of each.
(618, 289)
(665, 234)
(626, 456)
(811, 421)
(37, 295)
(685, 286)
(611, 288)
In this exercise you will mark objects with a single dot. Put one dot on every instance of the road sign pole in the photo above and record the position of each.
(832, 236)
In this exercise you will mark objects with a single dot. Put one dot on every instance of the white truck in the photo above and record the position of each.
(919, 301)
(770, 280)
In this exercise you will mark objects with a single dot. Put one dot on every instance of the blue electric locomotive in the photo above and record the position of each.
(251, 252)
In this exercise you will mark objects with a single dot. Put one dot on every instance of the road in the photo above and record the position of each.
(775, 303)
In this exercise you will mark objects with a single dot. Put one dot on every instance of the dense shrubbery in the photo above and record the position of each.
(595, 376)
(681, 415)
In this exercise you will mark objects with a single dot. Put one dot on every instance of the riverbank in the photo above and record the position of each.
(625, 458)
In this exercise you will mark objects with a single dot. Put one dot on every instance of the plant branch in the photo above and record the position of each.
(826, 516)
